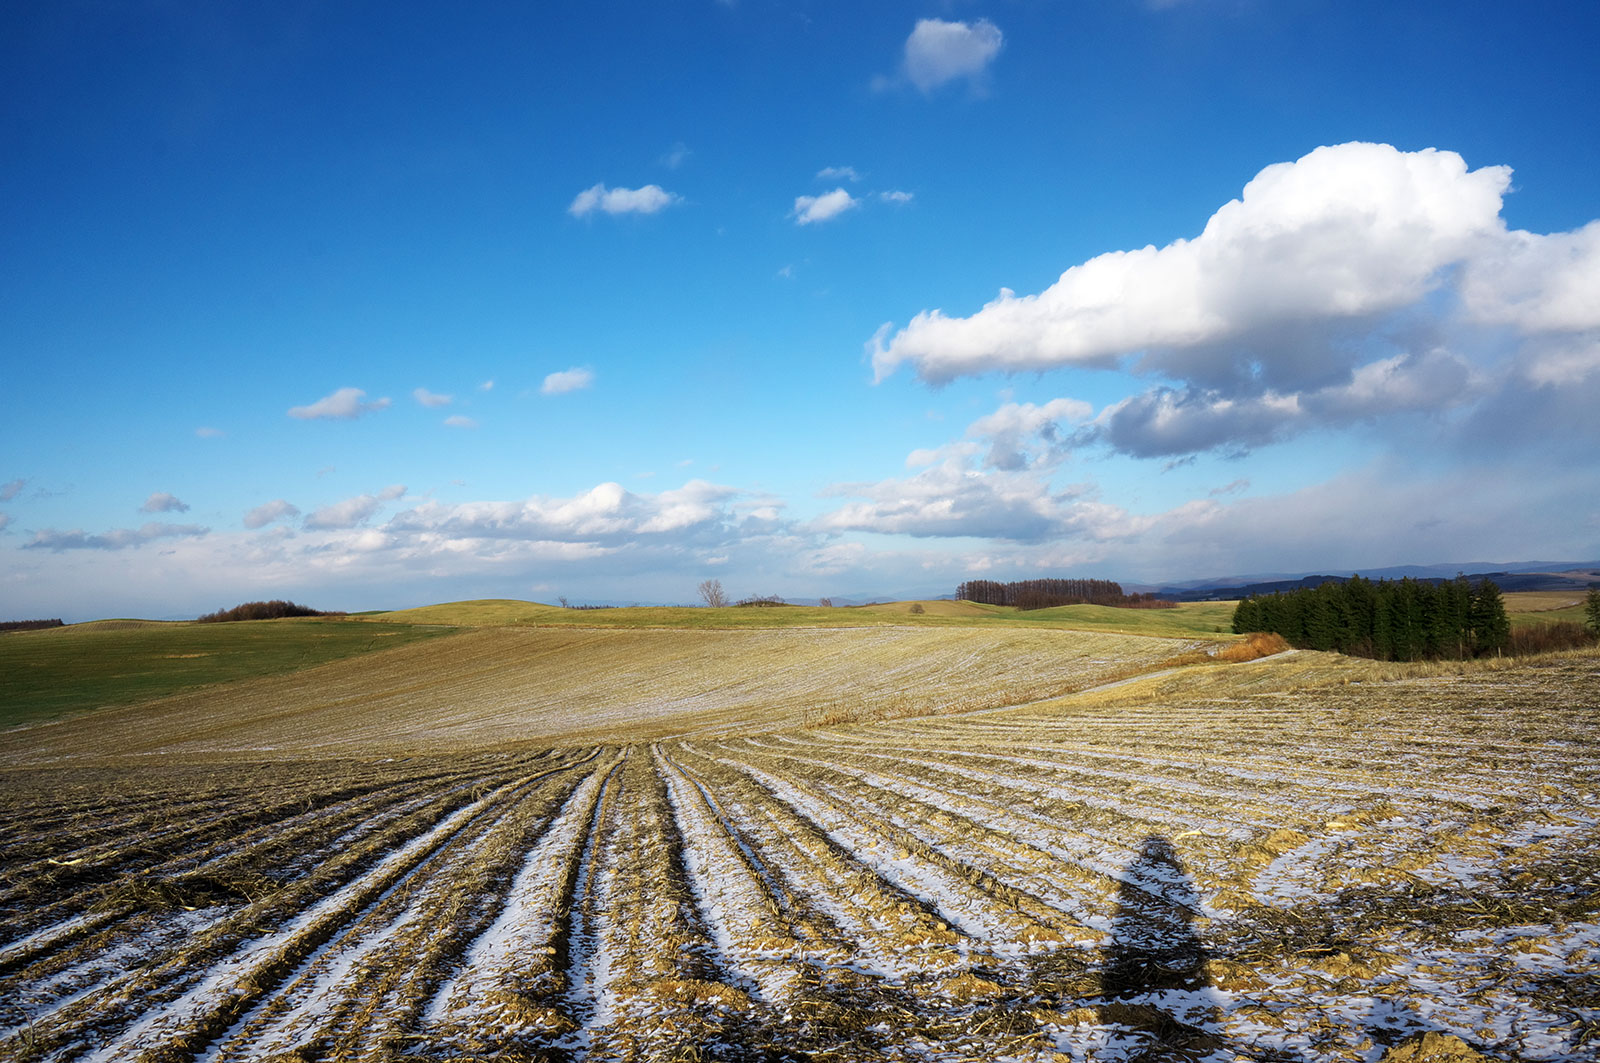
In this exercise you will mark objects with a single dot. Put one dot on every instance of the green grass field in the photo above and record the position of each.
(50, 673)
(1544, 607)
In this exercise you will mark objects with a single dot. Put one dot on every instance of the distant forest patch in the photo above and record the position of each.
(273, 610)
(28, 625)
(1390, 620)
(1050, 593)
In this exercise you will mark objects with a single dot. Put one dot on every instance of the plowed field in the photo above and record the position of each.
(1280, 875)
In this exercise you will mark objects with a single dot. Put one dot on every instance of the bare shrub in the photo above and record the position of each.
(1549, 638)
(276, 609)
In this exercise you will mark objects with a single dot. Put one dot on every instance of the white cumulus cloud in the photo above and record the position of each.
(954, 499)
(938, 52)
(608, 515)
(345, 404)
(1357, 283)
(646, 200)
(1344, 233)
(567, 380)
(809, 209)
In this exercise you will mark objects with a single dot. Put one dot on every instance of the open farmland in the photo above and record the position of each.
(1290, 859)
(497, 688)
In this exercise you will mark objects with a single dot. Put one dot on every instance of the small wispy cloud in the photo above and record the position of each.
(811, 209)
(567, 380)
(459, 421)
(431, 399)
(345, 404)
(646, 200)
(352, 512)
(896, 196)
(207, 432)
(11, 489)
(676, 155)
(115, 539)
(161, 502)
(487, 385)
(838, 173)
(267, 512)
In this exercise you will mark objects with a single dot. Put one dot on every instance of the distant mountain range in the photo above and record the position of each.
(1520, 576)
(1576, 576)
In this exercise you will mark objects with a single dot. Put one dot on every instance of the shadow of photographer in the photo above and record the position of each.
(1153, 979)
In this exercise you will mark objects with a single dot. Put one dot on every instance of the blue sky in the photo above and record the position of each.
(370, 305)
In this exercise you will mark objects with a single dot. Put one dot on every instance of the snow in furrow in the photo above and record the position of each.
(45, 935)
(590, 970)
(911, 755)
(1091, 798)
(1088, 911)
(218, 982)
(724, 890)
(327, 987)
(944, 892)
(38, 1003)
(809, 877)
(524, 924)
(322, 977)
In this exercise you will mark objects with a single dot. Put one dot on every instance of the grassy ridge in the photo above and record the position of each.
(47, 674)
(1187, 620)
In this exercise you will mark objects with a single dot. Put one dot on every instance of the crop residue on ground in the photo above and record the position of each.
(1313, 875)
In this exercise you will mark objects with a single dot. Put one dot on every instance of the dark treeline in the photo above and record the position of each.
(28, 625)
(273, 610)
(1391, 620)
(1049, 593)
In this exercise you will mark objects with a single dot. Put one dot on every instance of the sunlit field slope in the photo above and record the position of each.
(1188, 619)
(1544, 607)
(493, 688)
(1262, 863)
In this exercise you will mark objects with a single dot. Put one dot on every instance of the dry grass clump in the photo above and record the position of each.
(1256, 645)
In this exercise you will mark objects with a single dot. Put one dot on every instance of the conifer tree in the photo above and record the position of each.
(1491, 629)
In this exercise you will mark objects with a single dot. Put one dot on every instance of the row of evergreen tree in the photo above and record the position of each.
(1041, 593)
(1392, 620)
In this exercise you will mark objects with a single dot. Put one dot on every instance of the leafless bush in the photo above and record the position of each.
(276, 609)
